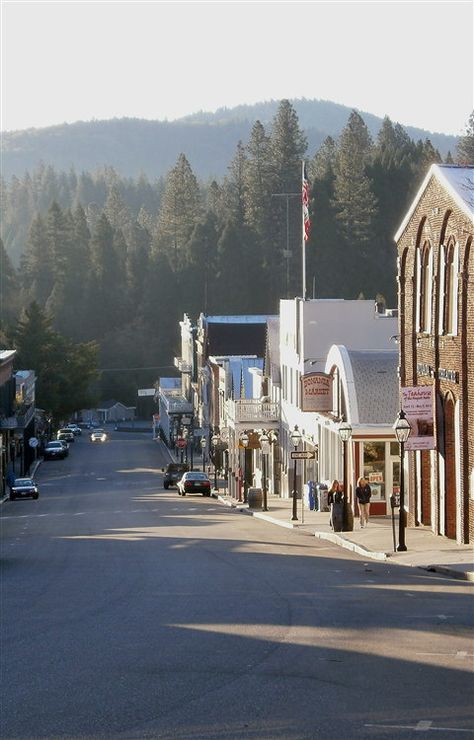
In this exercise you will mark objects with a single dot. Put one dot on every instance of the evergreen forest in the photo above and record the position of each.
(108, 264)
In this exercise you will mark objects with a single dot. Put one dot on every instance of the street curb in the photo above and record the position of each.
(347, 544)
(445, 570)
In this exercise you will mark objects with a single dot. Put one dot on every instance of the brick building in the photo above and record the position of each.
(436, 343)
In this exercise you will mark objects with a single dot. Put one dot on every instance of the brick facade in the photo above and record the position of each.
(436, 323)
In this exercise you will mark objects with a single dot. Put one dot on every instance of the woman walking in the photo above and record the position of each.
(363, 494)
(336, 505)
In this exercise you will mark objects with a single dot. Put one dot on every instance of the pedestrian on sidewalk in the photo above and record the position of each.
(363, 494)
(336, 506)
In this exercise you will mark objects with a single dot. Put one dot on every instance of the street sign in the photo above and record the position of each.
(33, 442)
(305, 455)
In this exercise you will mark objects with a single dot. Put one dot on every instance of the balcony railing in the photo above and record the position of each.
(252, 411)
(178, 406)
(19, 421)
(182, 365)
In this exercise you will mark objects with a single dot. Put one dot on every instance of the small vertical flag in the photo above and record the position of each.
(305, 201)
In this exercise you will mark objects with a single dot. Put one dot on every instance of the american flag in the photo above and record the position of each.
(305, 201)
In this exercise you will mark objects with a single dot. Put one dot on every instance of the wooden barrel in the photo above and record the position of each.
(255, 498)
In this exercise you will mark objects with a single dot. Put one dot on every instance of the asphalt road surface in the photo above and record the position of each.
(130, 612)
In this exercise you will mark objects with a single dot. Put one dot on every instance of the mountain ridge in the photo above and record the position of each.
(136, 146)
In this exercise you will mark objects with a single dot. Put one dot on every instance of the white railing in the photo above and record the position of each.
(182, 365)
(252, 410)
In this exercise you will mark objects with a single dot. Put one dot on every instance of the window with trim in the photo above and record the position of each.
(450, 290)
(425, 293)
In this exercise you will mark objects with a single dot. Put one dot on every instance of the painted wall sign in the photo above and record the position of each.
(316, 392)
(418, 405)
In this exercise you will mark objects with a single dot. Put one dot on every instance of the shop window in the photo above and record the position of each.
(374, 468)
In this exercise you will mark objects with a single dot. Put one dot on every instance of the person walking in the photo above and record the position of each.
(363, 494)
(336, 506)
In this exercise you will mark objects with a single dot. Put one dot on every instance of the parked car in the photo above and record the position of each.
(23, 488)
(194, 482)
(55, 450)
(75, 429)
(98, 435)
(66, 434)
(173, 473)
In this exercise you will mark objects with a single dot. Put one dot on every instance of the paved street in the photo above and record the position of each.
(130, 612)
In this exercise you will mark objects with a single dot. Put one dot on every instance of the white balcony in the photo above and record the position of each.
(182, 365)
(252, 411)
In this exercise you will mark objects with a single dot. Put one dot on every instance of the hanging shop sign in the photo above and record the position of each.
(418, 405)
(316, 392)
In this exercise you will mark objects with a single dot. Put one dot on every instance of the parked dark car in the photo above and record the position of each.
(194, 482)
(55, 450)
(24, 488)
(173, 473)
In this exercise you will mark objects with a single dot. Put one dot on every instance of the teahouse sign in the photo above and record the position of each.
(316, 392)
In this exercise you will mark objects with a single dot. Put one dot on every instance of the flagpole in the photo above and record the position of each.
(303, 240)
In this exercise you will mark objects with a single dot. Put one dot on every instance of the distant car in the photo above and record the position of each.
(98, 435)
(55, 450)
(194, 482)
(66, 434)
(24, 488)
(75, 429)
(173, 473)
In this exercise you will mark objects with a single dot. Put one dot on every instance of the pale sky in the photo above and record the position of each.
(69, 61)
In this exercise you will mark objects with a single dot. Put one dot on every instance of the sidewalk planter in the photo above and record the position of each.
(255, 498)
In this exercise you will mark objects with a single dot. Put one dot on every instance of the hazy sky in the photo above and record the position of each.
(69, 61)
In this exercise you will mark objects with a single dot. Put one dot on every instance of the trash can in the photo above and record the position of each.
(255, 498)
(322, 491)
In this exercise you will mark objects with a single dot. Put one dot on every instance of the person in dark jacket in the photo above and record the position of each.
(363, 494)
(336, 505)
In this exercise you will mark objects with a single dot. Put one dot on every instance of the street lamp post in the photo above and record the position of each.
(402, 429)
(295, 439)
(265, 447)
(214, 442)
(203, 448)
(244, 441)
(345, 433)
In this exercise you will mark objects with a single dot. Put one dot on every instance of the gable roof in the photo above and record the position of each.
(457, 180)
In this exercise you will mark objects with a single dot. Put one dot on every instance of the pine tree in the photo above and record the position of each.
(180, 208)
(233, 188)
(287, 149)
(64, 371)
(37, 276)
(9, 298)
(465, 148)
(354, 200)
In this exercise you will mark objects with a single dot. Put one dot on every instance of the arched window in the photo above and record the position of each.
(449, 305)
(425, 273)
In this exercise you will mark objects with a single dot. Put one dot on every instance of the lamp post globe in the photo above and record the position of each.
(402, 429)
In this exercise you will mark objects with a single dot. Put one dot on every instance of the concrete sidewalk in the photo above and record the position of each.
(425, 550)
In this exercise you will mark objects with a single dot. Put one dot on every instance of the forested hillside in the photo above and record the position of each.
(119, 260)
(136, 146)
